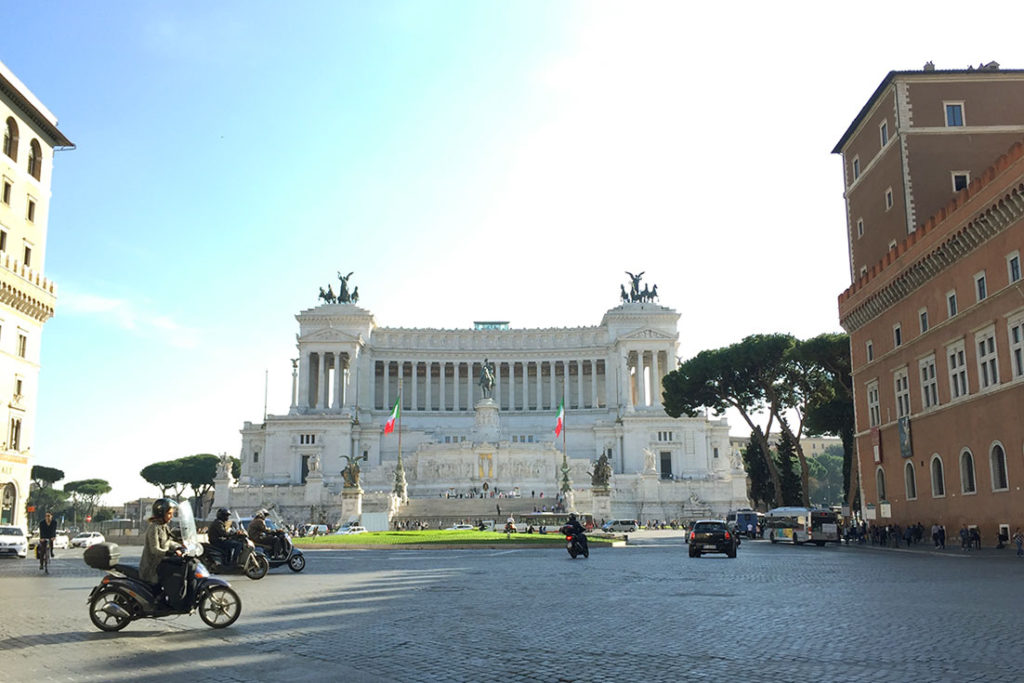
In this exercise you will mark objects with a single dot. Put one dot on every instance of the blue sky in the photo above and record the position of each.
(468, 160)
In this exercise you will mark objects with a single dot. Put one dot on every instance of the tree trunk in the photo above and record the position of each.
(766, 453)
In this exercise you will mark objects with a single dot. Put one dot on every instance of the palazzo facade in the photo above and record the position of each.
(350, 372)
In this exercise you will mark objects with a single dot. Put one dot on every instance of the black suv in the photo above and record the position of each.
(712, 536)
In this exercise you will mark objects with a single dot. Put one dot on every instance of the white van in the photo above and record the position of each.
(628, 525)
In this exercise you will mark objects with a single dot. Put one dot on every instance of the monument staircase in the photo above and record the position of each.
(443, 512)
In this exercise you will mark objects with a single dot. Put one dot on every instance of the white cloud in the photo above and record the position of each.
(128, 315)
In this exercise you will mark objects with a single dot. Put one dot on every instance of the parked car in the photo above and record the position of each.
(61, 540)
(460, 527)
(712, 536)
(628, 525)
(353, 529)
(86, 539)
(314, 529)
(13, 541)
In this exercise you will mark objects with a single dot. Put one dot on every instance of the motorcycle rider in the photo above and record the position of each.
(574, 527)
(158, 564)
(262, 535)
(224, 539)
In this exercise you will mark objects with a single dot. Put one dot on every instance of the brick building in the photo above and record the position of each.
(934, 187)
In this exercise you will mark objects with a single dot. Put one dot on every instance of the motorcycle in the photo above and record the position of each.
(575, 543)
(289, 555)
(122, 596)
(252, 561)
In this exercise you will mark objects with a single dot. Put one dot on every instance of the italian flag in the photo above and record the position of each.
(560, 418)
(389, 426)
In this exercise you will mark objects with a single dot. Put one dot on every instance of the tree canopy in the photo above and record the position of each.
(46, 476)
(86, 493)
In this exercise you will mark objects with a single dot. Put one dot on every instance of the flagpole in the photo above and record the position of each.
(400, 381)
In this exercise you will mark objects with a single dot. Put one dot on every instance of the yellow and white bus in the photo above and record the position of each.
(802, 525)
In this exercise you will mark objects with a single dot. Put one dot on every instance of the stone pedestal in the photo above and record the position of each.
(486, 426)
(314, 488)
(222, 491)
(602, 507)
(351, 503)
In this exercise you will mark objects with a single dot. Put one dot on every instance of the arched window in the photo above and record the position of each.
(910, 481)
(880, 484)
(35, 158)
(938, 479)
(8, 503)
(11, 138)
(967, 482)
(997, 460)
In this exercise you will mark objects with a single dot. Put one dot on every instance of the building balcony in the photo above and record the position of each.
(26, 290)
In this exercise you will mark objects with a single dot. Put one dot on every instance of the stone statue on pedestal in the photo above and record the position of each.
(602, 474)
(351, 472)
(486, 378)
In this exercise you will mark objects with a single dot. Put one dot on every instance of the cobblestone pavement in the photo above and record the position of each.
(646, 612)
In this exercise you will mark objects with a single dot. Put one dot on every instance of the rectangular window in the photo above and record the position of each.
(957, 358)
(860, 228)
(888, 199)
(856, 168)
(1013, 266)
(307, 439)
(929, 383)
(988, 369)
(22, 345)
(897, 335)
(6, 194)
(3, 240)
(871, 350)
(874, 411)
(28, 257)
(883, 133)
(954, 114)
(1016, 329)
(31, 213)
(951, 303)
(923, 317)
(980, 286)
(902, 387)
(961, 179)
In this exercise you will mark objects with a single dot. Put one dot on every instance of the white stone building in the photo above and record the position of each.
(347, 377)
(27, 299)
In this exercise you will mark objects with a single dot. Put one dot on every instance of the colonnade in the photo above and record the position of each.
(518, 384)
(643, 371)
(323, 381)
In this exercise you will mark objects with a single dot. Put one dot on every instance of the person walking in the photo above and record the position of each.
(1018, 538)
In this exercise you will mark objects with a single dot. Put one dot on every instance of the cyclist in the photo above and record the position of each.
(47, 532)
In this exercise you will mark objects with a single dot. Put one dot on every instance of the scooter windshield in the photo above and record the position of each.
(189, 537)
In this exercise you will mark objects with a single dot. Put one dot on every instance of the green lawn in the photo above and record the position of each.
(489, 539)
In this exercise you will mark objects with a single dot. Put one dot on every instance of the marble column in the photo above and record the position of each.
(339, 382)
(400, 384)
(580, 403)
(655, 379)
(641, 381)
(540, 385)
(455, 385)
(496, 394)
(386, 388)
(512, 385)
(593, 383)
(428, 368)
(443, 399)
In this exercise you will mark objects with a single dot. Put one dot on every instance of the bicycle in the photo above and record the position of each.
(43, 548)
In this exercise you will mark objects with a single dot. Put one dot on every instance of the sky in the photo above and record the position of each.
(467, 160)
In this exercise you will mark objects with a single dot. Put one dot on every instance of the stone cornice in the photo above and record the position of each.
(935, 247)
(26, 291)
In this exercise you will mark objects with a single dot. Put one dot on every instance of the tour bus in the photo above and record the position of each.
(739, 519)
(803, 525)
(551, 521)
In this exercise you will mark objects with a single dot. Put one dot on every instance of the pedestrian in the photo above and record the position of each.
(942, 537)
(935, 535)
(1018, 538)
(965, 538)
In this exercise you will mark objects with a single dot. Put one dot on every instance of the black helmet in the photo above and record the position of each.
(223, 514)
(162, 505)
(572, 516)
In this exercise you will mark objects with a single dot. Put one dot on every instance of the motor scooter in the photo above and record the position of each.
(575, 543)
(122, 596)
(289, 554)
(252, 561)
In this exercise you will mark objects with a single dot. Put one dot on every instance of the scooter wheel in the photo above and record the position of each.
(257, 567)
(219, 607)
(115, 601)
(297, 563)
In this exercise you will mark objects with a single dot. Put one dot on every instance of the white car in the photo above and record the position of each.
(86, 539)
(61, 540)
(460, 527)
(351, 530)
(13, 541)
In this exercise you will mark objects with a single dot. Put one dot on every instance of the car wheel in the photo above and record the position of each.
(732, 554)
